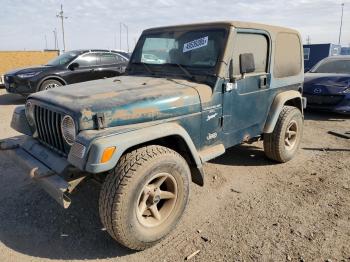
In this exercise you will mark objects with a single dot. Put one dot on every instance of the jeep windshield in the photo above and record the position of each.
(179, 51)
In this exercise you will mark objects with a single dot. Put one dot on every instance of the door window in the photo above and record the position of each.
(257, 44)
(86, 60)
(107, 59)
(120, 59)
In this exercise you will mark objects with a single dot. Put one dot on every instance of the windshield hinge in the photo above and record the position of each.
(100, 120)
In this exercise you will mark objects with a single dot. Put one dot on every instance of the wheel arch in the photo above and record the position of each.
(290, 98)
(177, 143)
(51, 77)
(170, 135)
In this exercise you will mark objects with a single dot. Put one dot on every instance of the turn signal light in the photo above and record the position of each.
(107, 154)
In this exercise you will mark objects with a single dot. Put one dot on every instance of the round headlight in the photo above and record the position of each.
(68, 129)
(29, 110)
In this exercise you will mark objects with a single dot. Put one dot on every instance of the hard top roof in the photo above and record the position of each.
(236, 24)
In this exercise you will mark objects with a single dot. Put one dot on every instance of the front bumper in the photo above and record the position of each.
(331, 103)
(16, 85)
(52, 172)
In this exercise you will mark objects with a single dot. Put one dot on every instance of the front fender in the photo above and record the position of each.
(124, 141)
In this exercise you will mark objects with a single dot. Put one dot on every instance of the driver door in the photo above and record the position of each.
(246, 105)
(86, 71)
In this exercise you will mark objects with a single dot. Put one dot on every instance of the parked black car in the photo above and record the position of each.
(68, 68)
(327, 85)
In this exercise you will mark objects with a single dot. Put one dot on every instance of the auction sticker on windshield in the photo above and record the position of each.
(198, 43)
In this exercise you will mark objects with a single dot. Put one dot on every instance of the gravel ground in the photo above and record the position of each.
(249, 210)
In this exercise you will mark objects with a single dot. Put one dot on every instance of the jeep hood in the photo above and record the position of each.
(126, 100)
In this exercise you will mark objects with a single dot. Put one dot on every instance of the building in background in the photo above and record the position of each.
(345, 51)
(10, 60)
(313, 53)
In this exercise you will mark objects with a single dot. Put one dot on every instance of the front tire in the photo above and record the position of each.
(144, 197)
(49, 84)
(282, 144)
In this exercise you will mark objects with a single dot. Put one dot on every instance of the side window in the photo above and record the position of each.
(121, 59)
(107, 59)
(86, 60)
(288, 57)
(257, 44)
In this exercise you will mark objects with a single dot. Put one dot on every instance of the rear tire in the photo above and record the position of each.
(144, 197)
(282, 144)
(49, 84)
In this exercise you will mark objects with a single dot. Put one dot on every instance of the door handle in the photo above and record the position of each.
(92, 70)
(263, 81)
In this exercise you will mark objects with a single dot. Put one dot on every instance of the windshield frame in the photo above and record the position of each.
(323, 61)
(163, 68)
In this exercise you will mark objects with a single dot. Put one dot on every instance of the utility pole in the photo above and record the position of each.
(45, 42)
(127, 35)
(308, 40)
(55, 38)
(341, 22)
(115, 40)
(120, 36)
(62, 17)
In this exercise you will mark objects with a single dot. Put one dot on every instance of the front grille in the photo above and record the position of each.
(48, 125)
(327, 100)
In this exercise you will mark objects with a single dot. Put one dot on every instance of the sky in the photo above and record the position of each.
(96, 23)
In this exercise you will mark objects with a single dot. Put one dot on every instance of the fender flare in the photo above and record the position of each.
(127, 140)
(280, 100)
(53, 77)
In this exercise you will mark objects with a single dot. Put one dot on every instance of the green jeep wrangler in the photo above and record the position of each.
(189, 92)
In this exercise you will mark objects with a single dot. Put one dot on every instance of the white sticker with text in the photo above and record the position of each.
(198, 43)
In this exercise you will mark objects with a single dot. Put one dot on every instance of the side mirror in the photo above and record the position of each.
(246, 63)
(73, 66)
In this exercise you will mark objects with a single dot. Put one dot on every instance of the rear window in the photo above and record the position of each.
(287, 56)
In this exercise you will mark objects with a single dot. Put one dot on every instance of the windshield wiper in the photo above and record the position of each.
(145, 66)
(183, 69)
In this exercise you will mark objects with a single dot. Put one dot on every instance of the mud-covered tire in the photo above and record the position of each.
(282, 144)
(49, 84)
(134, 179)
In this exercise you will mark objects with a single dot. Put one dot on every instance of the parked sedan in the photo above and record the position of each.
(327, 85)
(68, 68)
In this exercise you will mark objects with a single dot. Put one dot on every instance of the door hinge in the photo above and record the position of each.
(230, 86)
(221, 121)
